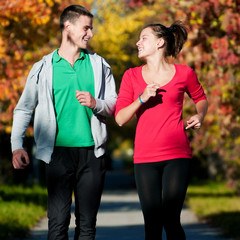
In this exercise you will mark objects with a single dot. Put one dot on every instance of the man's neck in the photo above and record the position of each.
(69, 53)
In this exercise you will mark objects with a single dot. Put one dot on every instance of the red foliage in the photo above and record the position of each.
(138, 3)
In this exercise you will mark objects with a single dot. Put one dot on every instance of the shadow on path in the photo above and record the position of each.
(120, 216)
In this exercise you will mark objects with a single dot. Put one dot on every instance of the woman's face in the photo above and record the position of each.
(148, 43)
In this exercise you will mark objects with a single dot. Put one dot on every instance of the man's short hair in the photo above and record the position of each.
(72, 13)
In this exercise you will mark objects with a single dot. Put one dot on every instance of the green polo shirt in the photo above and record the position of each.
(73, 119)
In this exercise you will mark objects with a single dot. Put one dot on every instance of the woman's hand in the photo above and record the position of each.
(149, 91)
(127, 113)
(194, 122)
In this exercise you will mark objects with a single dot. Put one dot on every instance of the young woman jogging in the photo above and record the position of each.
(154, 92)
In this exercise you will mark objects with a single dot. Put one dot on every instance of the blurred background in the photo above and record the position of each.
(29, 29)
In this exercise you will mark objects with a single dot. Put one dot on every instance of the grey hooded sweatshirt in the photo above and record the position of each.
(37, 98)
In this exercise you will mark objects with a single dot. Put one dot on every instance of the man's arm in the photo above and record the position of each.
(22, 116)
(106, 106)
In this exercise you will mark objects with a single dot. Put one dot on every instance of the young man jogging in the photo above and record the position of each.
(71, 91)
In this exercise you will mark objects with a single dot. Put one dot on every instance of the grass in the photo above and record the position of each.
(20, 209)
(216, 204)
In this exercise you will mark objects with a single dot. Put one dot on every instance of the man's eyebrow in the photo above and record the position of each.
(88, 26)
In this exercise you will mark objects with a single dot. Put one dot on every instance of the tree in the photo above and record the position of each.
(215, 55)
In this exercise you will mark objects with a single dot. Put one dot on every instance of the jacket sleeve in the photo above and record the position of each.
(23, 112)
(106, 100)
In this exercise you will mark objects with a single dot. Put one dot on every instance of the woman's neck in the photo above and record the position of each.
(157, 66)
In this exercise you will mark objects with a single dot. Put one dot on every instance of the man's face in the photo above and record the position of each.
(80, 31)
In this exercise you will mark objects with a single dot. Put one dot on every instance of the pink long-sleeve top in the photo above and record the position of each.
(160, 133)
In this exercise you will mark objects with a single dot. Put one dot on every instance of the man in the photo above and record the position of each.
(71, 91)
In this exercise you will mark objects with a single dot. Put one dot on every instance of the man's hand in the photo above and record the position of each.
(20, 159)
(86, 99)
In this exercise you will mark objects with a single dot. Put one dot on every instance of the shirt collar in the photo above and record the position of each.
(57, 58)
(82, 54)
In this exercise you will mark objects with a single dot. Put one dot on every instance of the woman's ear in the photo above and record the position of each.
(160, 43)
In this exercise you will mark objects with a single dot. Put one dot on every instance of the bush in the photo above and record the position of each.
(20, 209)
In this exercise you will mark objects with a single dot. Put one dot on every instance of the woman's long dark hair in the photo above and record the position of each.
(174, 37)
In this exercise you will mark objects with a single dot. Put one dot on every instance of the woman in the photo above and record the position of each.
(162, 154)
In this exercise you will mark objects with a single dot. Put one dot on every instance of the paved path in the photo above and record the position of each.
(120, 216)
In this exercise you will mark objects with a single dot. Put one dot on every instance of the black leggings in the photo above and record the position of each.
(162, 189)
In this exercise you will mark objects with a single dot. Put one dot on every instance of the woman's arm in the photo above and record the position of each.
(195, 121)
(126, 114)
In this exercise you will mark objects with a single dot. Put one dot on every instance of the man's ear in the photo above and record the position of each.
(67, 25)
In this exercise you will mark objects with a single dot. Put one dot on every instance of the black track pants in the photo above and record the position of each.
(74, 170)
